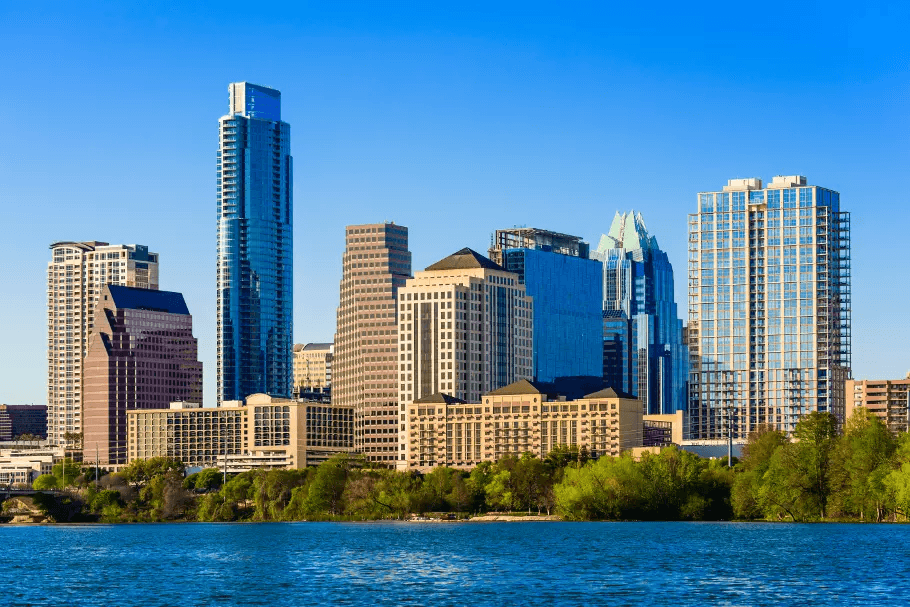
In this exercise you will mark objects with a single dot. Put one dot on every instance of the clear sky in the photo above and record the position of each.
(453, 121)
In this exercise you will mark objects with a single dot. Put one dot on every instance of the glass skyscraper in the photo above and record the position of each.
(643, 349)
(566, 288)
(769, 306)
(255, 215)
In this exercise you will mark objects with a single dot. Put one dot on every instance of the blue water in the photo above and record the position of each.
(456, 564)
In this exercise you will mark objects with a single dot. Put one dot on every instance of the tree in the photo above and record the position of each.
(760, 447)
(816, 434)
(45, 482)
(861, 461)
(66, 472)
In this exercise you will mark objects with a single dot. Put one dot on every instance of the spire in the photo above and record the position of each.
(628, 231)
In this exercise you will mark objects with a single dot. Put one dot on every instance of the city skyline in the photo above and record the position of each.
(559, 154)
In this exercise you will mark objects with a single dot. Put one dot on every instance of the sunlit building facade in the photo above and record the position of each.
(769, 306)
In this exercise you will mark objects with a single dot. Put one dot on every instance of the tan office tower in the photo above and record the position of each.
(76, 275)
(466, 329)
(376, 263)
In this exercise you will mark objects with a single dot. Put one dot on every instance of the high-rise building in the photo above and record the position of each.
(313, 368)
(643, 349)
(142, 355)
(465, 328)
(254, 269)
(76, 274)
(769, 306)
(887, 399)
(566, 286)
(19, 420)
(376, 263)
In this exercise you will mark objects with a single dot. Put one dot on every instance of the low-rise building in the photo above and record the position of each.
(263, 432)
(887, 399)
(20, 467)
(441, 430)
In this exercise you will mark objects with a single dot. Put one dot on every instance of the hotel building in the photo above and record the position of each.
(264, 432)
(769, 306)
(76, 274)
(376, 264)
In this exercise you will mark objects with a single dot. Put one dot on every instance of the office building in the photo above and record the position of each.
(566, 286)
(20, 420)
(261, 432)
(769, 306)
(142, 355)
(376, 263)
(643, 349)
(255, 246)
(76, 274)
(465, 328)
(522, 417)
(313, 368)
(887, 399)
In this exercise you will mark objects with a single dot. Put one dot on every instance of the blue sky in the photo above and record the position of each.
(453, 121)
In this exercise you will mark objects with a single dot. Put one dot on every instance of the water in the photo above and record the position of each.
(456, 564)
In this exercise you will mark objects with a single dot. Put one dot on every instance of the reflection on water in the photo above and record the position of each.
(456, 564)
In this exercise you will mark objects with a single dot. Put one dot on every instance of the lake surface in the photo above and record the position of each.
(456, 564)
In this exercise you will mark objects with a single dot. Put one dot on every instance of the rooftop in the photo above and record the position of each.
(465, 259)
(148, 299)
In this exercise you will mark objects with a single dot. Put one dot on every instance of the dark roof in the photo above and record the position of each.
(148, 299)
(465, 259)
(522, 386)
(440, 398)
(610, 393)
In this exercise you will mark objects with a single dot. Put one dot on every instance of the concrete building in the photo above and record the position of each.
(769, 306)
(76, 274)
(313, 368)
(566, 286)
(887, 399)
(17, 420)
(442, 430)
(465, 328)
(376, 263)
(20, 467)
(142, 355)
(255, 246)
(643, 349)
(263, 432)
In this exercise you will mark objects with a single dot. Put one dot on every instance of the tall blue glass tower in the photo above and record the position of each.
(255, 220)
(644, 351)
(566, 287)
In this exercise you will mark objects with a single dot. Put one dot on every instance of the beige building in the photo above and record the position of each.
(265, 432)
(376, 263)
(313, 367)
(76, 274)
(888, 399)
(519, 418)
(20, 467)
(465, 328)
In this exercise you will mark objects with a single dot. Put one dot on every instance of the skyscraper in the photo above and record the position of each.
(566, 286)
(76, 274)
(254, 268)
(465, 328)
(376, 263)
(141, 355)
(644, 353)
(769, 306)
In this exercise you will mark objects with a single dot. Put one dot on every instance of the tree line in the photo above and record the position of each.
(820, 473)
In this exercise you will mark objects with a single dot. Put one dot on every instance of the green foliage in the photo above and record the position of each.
(205, 480)
(66, 472)
(45, 482)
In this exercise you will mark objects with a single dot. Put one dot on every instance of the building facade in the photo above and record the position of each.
(566, 286)
(313, 368)
(263, 432)
(19, 420)
(769, 306)
(376, 264)
(142, 355)
(643, 349)
(76, 274)
(255, 246)
(519, 418)
(465, 328)
(887, 399)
